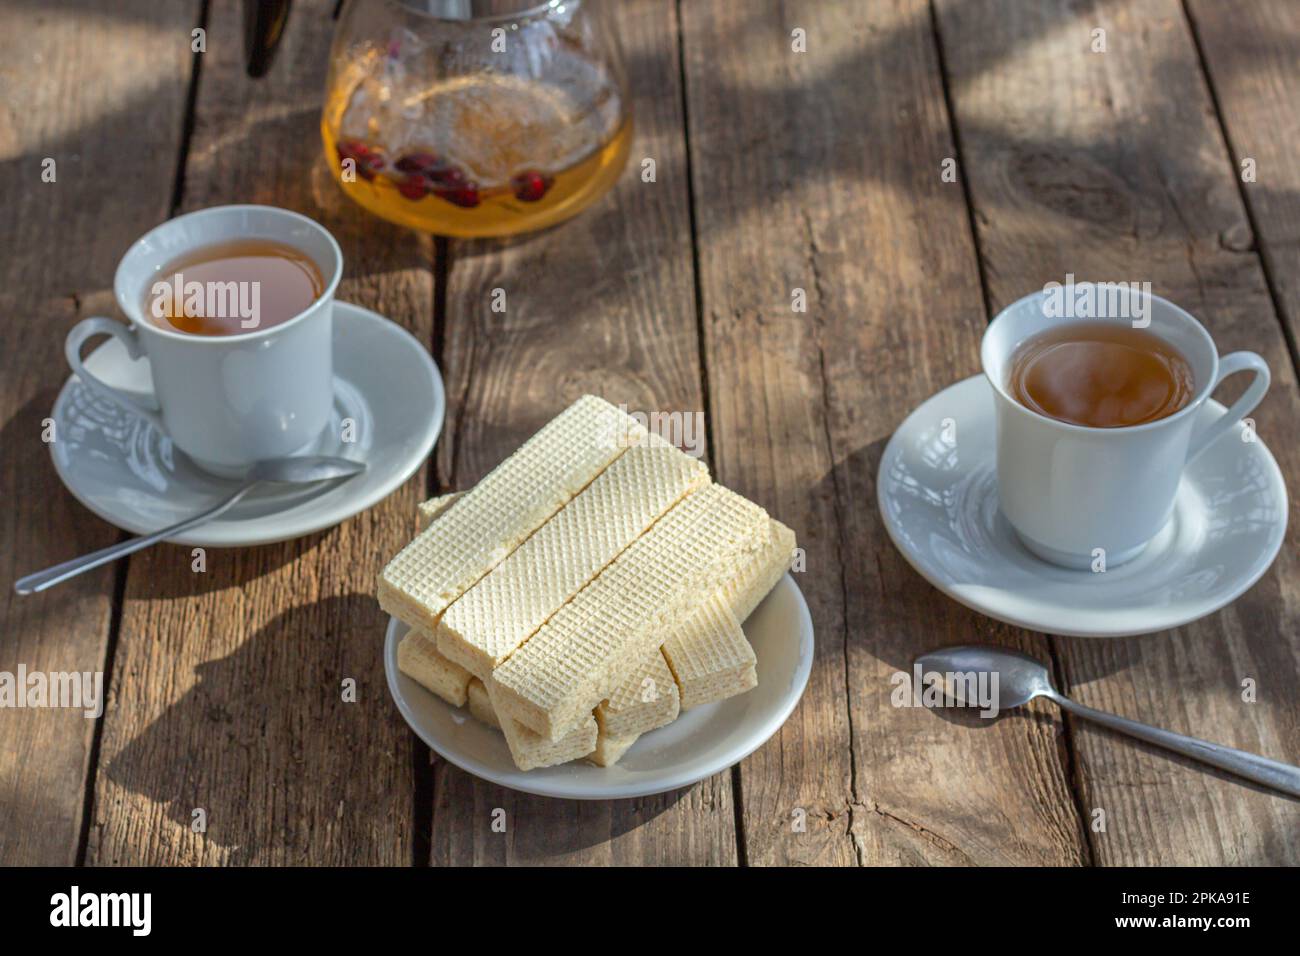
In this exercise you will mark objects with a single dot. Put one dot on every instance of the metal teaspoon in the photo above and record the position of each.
(1021, 678)
(296, 471)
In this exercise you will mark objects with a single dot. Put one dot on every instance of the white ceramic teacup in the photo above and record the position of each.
(1070, 490)
(231, 400)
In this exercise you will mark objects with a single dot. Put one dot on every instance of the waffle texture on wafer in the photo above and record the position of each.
(594, 583)
(608, 748)
(709, 656)
(418, 659)
(503, 509)
(647, 700)
(531, 750)
(744, 592)
(431, 509)
(591, 645)
(501, 612)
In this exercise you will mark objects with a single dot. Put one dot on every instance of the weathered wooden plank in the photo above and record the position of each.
(604, 304)
(227, 685)
(1252, 54)
(821, 171)
(66, 101)
(1085, 162)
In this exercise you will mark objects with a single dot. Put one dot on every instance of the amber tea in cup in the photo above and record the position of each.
(1100, 375)
(233, 288)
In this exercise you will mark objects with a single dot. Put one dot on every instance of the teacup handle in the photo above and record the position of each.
(1231, 365)
(88, 328)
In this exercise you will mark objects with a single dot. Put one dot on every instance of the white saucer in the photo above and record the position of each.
(698, 744)
(939, 502)
(124, 470)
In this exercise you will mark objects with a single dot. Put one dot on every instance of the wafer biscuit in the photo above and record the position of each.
(418, 659)
(431, 509)
(591, 645)
(744, 592)
(714, 663)
(609, 750)
(531, 750)
(480, 707)
(503, 509)
(498, 614)
(648, 699)
(709, 656)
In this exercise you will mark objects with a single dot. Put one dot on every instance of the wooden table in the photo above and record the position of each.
(776, 170)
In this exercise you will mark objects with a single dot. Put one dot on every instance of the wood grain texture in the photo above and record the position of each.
(602, 304)
(227, 689)
(1251, 52)
(821, 171)
(1111, 166)
(64, 99)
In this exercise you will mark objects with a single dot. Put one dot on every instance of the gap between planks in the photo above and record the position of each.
(1069, 759)
(1234, 156)
(424, 800)
(737, 776)
(121, 569)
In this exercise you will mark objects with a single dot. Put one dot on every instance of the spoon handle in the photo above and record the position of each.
(41, 580)
(1269, 773)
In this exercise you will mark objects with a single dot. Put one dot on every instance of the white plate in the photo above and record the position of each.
(939, 501)
(698, 744)
(124, 470)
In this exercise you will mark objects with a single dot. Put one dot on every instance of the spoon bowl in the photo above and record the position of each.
(1021, 678)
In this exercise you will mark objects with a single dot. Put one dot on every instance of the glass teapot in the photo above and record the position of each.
(468, 117)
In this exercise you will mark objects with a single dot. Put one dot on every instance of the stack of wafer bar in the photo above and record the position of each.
(586, 591)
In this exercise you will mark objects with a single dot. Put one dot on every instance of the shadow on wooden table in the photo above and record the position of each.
(29, 456)
(1079, 180)
(551, 832)
(285, 769)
